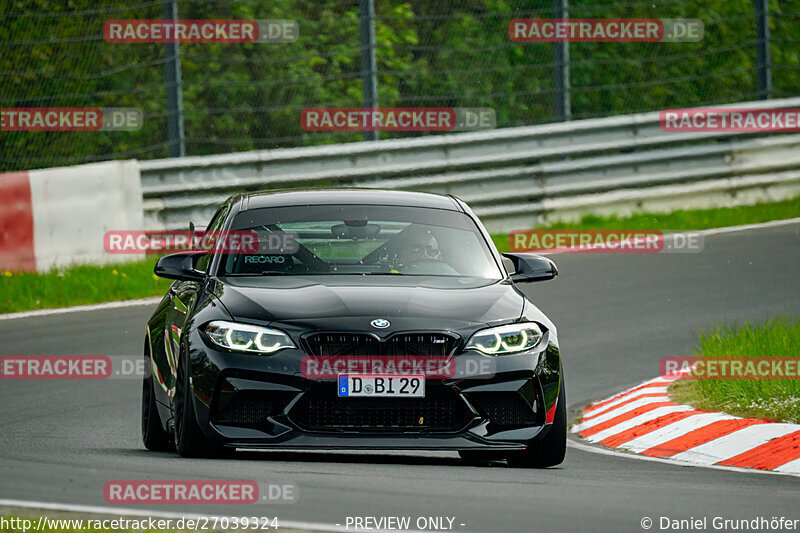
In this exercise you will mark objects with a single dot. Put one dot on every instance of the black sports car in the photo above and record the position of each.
(323, 335)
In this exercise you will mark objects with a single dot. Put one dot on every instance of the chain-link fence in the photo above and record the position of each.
(443, 53)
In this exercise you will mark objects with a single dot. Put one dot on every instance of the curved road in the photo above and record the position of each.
(618, 315)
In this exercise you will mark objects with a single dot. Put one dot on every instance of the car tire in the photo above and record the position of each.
(550, 450)
(154, 437)
(188, 437)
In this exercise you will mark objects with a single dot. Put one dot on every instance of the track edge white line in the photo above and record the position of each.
(81, 308)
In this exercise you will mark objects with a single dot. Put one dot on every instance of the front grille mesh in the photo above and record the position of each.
(504, 408)
(418, 344)
(251, 408)
(423, 344)
(442, 410)
(342, 344)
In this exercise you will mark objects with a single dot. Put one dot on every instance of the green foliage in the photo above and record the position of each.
(429, 53)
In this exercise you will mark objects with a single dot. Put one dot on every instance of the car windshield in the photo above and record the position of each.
(358, 239)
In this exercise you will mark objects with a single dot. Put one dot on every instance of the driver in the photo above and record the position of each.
(419, 245)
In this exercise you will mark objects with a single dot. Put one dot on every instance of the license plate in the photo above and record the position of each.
(381, 385)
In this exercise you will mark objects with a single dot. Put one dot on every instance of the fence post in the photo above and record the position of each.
(366, 13)
(172, 78)
(763, 57)
(561, 87)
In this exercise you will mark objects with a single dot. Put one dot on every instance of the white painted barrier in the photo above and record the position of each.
(61, 214)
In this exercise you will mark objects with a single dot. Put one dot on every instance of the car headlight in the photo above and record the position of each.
(506, 339)
(248, 338)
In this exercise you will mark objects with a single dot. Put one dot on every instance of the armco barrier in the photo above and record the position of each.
(514, 178)
(57, 217)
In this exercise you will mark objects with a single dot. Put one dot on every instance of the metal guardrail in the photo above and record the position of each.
(514, 177)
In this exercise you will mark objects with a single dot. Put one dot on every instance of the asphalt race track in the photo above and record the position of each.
(618, 315)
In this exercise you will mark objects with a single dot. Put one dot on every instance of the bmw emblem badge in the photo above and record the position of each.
(380, 323)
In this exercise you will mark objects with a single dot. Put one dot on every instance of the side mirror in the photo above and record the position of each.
(180, 266)
(531, 267)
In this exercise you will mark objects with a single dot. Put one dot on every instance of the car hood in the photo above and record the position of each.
(408, 302)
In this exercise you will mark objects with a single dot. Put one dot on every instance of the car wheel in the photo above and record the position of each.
(188, 437)
(154, 437)
(550, 450)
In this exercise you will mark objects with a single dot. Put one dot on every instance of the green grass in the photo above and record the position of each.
(680, 220)
(88, 284)
(21, 291)
(774, 400)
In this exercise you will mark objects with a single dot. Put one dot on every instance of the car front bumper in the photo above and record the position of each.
(254, 401)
